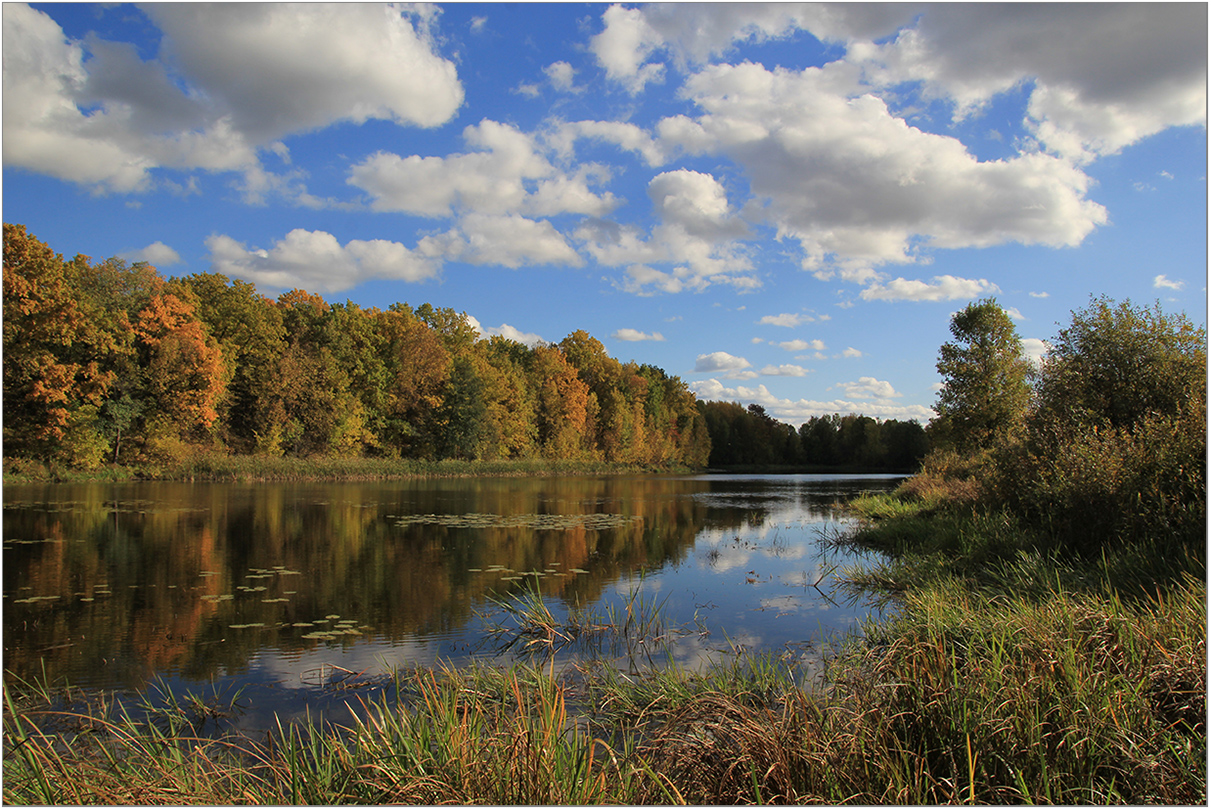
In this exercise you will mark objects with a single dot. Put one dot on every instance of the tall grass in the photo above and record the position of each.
(966, 697)
(208, 466)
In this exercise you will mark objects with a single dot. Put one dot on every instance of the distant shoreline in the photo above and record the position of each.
(219, 468)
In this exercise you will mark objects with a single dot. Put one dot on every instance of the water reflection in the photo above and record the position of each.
(115, 585)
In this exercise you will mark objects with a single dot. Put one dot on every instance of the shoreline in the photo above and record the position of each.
(250, 469)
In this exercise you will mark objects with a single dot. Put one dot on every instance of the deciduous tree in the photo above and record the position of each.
(985, 377)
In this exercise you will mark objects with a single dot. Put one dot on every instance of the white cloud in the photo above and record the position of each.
(622, 134)
(624, 45)
(1102, 76)
(833, 168)
(800, 345)
(787, 319)
(719, 362)
(869, 387)
(1015, 313)
(233, 79)
(1035, 349)
(784, 370)
(943, 288)
(851, 352)
(505, 331)
(636, 335)
(512, 333)
(561, 76)
(696, 233)
(697, 32)
(798, 411)
(507, 174)
(1040, 295)
(510, 241)
(289, 67)
(1162, 282)
(156, 254)
(316, 261)
(855, 184)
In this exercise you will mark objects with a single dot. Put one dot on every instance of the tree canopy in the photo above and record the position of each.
(109, 361)
(985, 378)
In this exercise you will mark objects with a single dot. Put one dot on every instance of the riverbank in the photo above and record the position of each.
(1009, 675)
(217, 467)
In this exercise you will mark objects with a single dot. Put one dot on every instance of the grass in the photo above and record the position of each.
(966, 697)
(530, 626)
(220, 467)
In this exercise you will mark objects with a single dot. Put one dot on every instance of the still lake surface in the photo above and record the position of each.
(278, 588)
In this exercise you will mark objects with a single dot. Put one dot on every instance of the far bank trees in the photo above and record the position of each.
(109, 362)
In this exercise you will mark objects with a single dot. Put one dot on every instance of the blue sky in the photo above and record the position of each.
(781, 204)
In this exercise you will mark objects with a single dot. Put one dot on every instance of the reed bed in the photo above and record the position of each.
(207, 466)
(965, 698)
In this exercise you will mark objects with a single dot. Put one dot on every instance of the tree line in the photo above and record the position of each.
(749, 436)
(109, 362)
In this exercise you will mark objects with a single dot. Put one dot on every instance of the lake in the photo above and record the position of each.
(281, 589)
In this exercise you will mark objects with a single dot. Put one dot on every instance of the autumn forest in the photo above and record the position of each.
(111, 363)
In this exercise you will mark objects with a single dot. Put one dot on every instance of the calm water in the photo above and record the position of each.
(278, 587)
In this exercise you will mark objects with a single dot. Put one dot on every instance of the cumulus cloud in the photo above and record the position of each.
(801, 345)
(858, 187)
(1101, 76)
(869, 387)
(561, 75)
(288, 67)
(506, 331)
(784, 370)
(510, 241)
(632, 40)
(232, 80)
(506, 174)
(1035, 349)
(1162, 282)
(851, 352)
(942, 288)
(636, 335)
(696, 232)
(316, 261)
(156, 254)
(832, 166)
(719, 362)
(798, 411)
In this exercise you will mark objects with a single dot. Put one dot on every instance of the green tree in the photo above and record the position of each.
(463, 414)
(1115, 365)
(985, 378)
(1115, 447)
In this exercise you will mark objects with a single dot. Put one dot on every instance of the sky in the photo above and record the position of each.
(780, 204)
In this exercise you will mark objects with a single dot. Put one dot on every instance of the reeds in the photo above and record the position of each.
(964, 699)
(210, 466)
